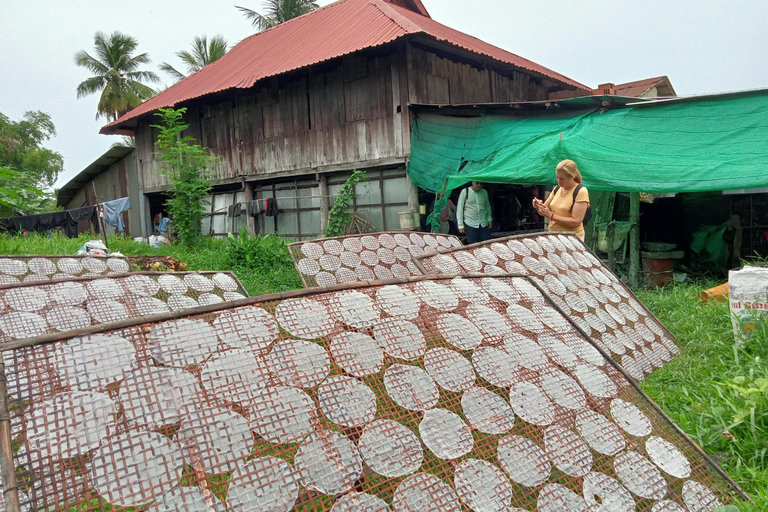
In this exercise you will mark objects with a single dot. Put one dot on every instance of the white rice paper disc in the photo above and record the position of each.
(605, 494)
(18, 325)
(489, 321)
(523, 460)
(390, 449)
(562, 389)
(70, 424)
(360, 502)
(330, 262)
(459, 332)
(249, 328)
(141, 285)
(95, 265)
(64, 318)
(411, 387)
(524, 318)
(155, 397)
(281, 414)
(439, 296)
(350, 259)
(531, 404)
(172, 284)
(94, 361)
(526, 352)
(557, 498)
(68, 294)
(347, 401)
(346, 275)
(495, 365)
(29, 299)
(567, 451)
(467, 290)
(235, 376)
(118, 265)
(71, 266)
(632, 368)
(104, 311)
(199, 282)
(400, 338)
(599, 432)
(445, 434)
(185, 499)
(667, 457)
(233, 296)
(667, 506)
(357, 353)
(333, 247)
(487, 412)
(312, 250)
(299, 363)
(225, 282)
(449, 369)
(640, 476)
(699, 498)
(182, 343)
(596, 382)
(145, 306)
(41, 266)
(304, 318)
(328, 462)
(179, 302)
(558, 351)
(398, 301)
(215, 440)
(265, 483)
(13, 267)
(630, 418)
(482, 486)
(355, 309)
(382, 272)
(154, 468)
(426, 493)
(208, 299)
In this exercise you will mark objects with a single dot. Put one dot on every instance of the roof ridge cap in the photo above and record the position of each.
(321, 8)
(390, 12)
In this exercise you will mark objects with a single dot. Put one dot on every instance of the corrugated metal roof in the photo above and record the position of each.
(338, 29)
(70, 189)
(635, 89)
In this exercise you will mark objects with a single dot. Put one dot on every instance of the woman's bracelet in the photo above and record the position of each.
(553, 216)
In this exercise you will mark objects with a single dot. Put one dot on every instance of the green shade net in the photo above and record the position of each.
(687, 145)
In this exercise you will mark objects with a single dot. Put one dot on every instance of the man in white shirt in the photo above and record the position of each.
(473, 213)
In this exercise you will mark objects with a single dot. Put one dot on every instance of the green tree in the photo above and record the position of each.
(19, 198)
(278, 11)
(22, 151)
(203, 53)
(116, 74)
(187, 167)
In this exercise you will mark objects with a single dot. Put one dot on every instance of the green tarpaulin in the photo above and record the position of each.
(697, 144)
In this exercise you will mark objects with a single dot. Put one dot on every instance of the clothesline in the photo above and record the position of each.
(68, 219)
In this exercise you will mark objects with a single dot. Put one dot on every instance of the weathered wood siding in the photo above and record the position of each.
(437, 80)
(341, 116)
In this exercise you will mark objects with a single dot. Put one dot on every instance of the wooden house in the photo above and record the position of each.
(293, 110)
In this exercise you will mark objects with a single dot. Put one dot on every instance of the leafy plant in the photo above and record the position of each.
(259, 251)
(341, 213)
(187, 167)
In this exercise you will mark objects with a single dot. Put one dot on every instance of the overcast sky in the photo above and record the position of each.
(704, 46)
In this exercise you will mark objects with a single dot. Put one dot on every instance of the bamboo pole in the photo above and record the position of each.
(7, 468)
(634, 239)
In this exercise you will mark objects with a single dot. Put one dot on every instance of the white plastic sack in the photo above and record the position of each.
(748, 296)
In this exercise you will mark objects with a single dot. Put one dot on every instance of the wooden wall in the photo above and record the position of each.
(347, 114)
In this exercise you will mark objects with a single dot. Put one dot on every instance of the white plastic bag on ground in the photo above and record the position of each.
(748, 296)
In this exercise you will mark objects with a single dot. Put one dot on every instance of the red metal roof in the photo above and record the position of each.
(338, 29)
(635, 89)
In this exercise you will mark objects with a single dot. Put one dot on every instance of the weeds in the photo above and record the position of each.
(714, 391)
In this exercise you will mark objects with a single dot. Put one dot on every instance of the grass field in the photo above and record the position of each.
(717, 394)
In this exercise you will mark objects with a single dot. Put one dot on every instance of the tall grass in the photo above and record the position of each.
(267, 271)
(713, 390)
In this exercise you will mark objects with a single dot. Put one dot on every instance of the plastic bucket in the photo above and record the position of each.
(406, 219)
(659, 271)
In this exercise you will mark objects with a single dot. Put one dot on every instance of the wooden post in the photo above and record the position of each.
(325, 202)
(102, 223)
(7, 467)
(611, 235)
(634, 239)
(250, 221)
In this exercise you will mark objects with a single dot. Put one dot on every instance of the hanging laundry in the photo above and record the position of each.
(234, 210)
(253, 207)
(43, 222)
(272, 209)
(113, 212)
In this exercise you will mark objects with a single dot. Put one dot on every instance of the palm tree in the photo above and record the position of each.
(202, 54)
(116, 74)
(278, 11)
